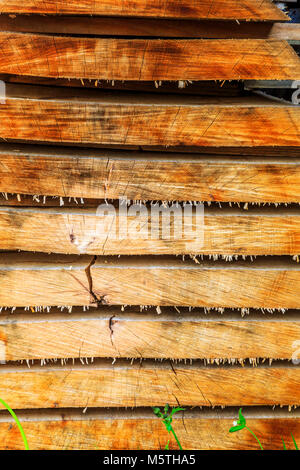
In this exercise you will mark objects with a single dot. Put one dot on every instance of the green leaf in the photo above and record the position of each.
(176, 410)
(242, 420)
(13, 414)
(156, 411)
(236, 428)
(295, 443)
(240, 424)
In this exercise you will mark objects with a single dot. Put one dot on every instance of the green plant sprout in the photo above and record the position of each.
(241, 424)
(167, 417)
(295, 443)
(13, 414)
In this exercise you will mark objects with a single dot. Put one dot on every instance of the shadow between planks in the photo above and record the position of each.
(142, 27)
(148, 27)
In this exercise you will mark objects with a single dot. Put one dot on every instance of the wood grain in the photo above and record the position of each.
(244, 285)
(143, 27)
(89, 231)
(218, 9)
(148, 385)
(53, 282)
(133, 335)
(151, 176)
(89, 117)
(49, 280)
(142, 433)
(43, 55)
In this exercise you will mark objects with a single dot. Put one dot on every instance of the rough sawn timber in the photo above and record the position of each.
(212, 9)
(89, 231)
(148, 384)
(31, 280)
(102, 174)
(42, 336)
(66, 115)
(41, 55)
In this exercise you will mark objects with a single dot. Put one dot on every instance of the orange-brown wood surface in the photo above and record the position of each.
(146, 433)
(92, 117)
(245, 285)
(102, 321)
(42, 336)
(80, 231)
(49, 280)
(147, 176)
(240, 9)
(145, 385)
(154, 59)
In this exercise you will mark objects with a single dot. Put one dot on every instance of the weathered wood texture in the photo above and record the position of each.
(133, 335)
(258, 286)
(147, 176)
(95, 118)
(80, 231)
(31, 281)
(217, 9)
(148, 385)
(38, 284)
(141, 27)
(154, 59)
(65, 115)
(147, 434)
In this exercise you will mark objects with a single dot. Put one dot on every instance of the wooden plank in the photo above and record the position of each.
(50, 280)
(144, 336)
(148, 385)
(147, 176)
(145, 433)
(142, 27)
(291, 32)
(43, 55)
(57, 282)
(219, 9)
(160, 283)
(56, 115)
(96, 232)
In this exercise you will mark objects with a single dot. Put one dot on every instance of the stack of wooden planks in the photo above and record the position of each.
(143, 102)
